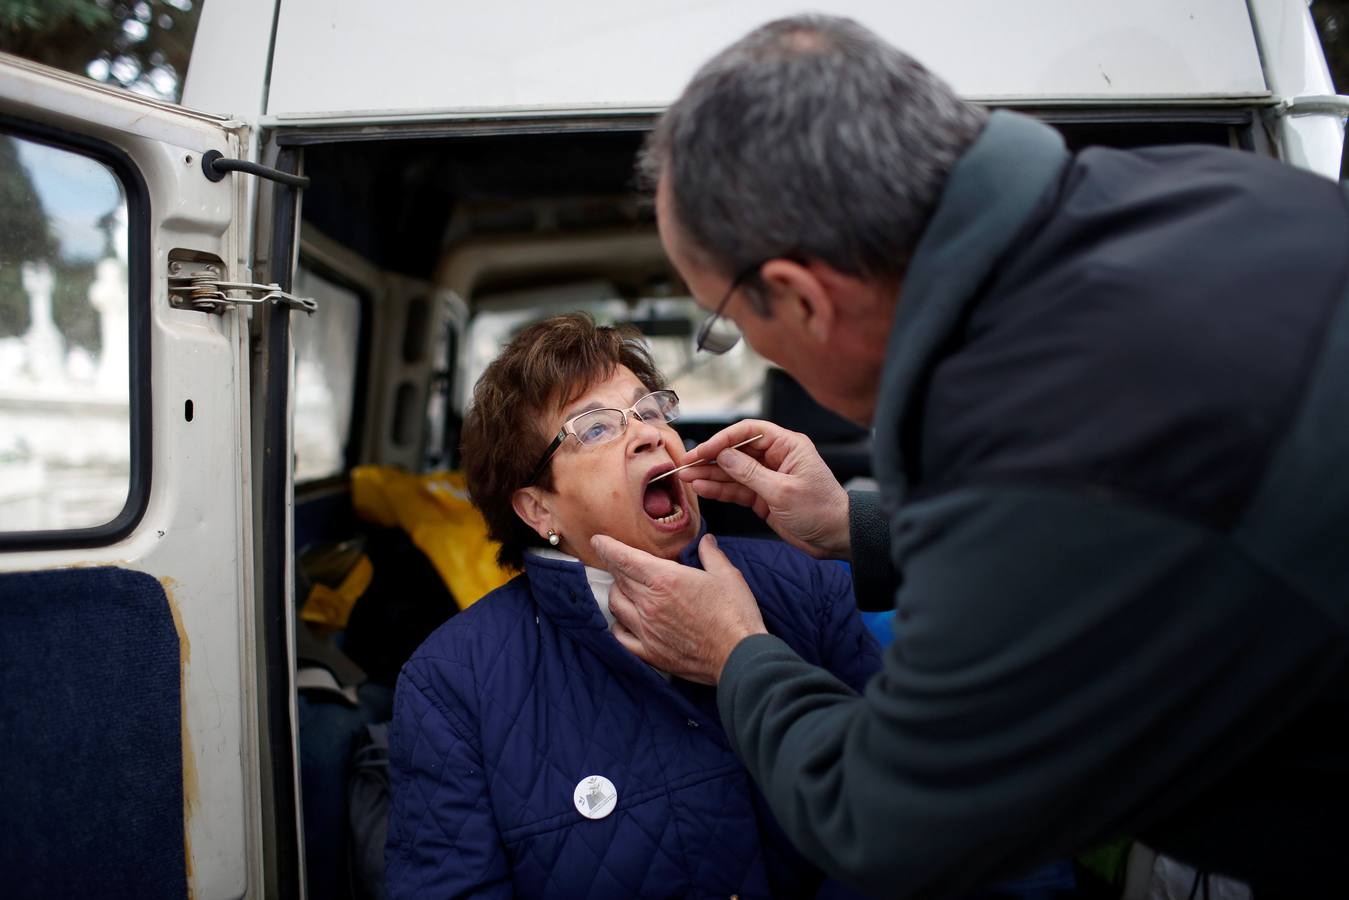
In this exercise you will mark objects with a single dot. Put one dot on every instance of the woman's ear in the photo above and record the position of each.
(530, 505)
(801, 297)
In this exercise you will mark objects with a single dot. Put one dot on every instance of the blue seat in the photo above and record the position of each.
(90, 736)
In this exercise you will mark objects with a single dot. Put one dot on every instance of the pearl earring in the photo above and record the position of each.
(552, 537)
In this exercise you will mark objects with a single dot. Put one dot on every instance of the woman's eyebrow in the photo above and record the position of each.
(571, 414)
(637, 394)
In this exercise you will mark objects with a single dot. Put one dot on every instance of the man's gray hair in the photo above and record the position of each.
(809, 137)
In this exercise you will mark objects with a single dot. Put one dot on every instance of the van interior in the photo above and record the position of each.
(426, 249)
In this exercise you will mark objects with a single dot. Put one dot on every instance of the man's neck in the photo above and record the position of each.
(863, 345)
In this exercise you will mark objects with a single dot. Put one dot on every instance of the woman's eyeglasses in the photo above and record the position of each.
(600, 426)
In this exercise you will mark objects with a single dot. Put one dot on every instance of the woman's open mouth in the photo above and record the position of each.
(663, 502)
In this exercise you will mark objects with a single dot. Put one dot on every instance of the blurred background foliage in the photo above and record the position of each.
(1332, 23)
(140, 45)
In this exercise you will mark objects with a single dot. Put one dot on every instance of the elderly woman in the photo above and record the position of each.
(531, 754)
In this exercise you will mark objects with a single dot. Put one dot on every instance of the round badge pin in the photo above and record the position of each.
(595, 797)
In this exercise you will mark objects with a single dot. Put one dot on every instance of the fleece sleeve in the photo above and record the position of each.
(875, 579)
(1066, 669)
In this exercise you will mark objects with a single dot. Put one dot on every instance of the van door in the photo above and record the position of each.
(128, 695)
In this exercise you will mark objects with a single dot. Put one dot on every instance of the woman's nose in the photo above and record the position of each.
(643, 435)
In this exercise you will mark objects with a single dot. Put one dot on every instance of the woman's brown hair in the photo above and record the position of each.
(511, 420)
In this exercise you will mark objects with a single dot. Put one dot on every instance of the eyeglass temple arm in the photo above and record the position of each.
(547, 455)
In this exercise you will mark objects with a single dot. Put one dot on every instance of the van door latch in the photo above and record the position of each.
(206, 292)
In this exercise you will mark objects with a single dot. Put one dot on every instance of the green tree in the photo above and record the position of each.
(24, 236)
(142, 45)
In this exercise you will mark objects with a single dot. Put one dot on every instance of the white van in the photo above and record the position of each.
(425, 177)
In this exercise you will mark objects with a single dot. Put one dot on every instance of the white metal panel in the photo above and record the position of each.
(1295, 67)
(195, 535)
(228, 70)
(346, 56)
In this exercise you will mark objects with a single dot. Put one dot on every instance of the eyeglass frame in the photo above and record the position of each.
(706, 328)
(569, 429)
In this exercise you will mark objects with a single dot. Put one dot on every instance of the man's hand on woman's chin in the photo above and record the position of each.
(681, 620)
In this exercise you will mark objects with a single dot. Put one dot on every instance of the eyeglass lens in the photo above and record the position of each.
(599, 426)
(717, 335)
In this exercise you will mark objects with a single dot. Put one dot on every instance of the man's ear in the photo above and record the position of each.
(801, 296)
(529, 504)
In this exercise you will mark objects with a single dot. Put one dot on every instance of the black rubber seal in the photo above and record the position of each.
(276, 462)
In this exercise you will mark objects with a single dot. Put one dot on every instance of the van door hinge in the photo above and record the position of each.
(1313, 104)
(202, 289)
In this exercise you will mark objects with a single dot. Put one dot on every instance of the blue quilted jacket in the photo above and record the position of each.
(508, 706)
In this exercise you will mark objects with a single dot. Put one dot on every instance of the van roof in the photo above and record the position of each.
(351, 59)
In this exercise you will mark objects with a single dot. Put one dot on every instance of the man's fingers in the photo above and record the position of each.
(752, 474)
(625, 611)
(627, 628)
(731, 492)
(708, 472)
(734, 492)
(734, 434)
(630, 641)
(623, 561)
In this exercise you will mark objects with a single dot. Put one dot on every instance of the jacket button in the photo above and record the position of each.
(693, 724)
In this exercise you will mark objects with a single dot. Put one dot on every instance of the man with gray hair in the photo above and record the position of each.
(1107, 392)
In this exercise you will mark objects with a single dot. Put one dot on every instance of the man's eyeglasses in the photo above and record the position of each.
(726, 334)
(600, 426)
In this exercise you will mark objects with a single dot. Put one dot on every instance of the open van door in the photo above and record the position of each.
(129, 723)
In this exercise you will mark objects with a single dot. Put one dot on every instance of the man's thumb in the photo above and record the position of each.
(710, 554)
(742, 467)
(607, 549)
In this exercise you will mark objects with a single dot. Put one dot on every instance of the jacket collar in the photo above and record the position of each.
(562, 591)
(990, 196)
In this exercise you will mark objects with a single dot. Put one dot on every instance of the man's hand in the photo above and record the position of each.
(679, 619)
(782, 478)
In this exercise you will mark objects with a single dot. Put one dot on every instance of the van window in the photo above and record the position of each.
(327, 346)
(140, 45)
(710, 387)
(65, 419)
(442, 424)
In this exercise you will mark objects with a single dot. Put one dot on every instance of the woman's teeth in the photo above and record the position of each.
(675, 515)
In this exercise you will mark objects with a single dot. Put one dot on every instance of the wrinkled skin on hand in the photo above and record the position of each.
(681, 620)
(783, 479)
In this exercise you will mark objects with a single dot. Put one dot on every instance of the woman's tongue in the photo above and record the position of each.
(657, 502)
